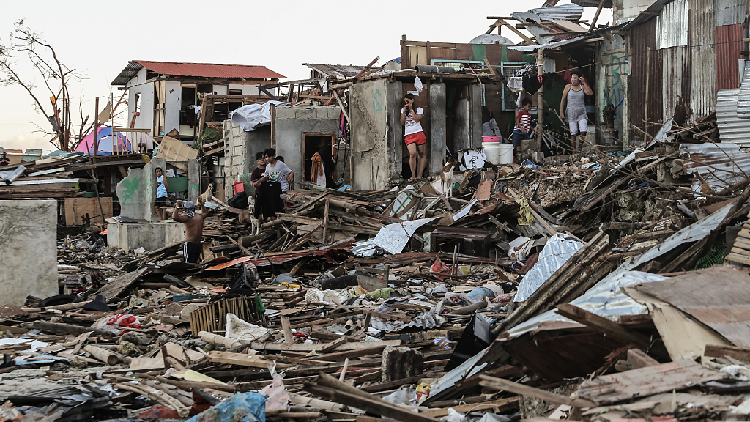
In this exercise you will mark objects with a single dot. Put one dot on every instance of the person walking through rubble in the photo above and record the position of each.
(416, 140)
(193, 228)
(575, 112)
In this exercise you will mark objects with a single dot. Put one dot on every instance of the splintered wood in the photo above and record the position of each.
(213, 316)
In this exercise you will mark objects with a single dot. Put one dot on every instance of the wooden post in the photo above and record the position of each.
(325, 221)
(96, 126)
(112, 121)
(540, 98)
(596, 15)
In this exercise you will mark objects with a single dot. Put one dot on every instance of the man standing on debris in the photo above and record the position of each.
(275, 181)
(161, 194)
(575, 93)
(193, 228)
(416, 140)
(255, 177)
(523, 127)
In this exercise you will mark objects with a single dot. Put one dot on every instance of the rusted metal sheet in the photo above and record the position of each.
(210, 70)
(719, 165)
(676, 79)
(650, 380)
(718, 297)
(672, 24)
(728, 46)
(645, 81)
(730, 12)
(701, 40)
(336, 71)
(345, 245)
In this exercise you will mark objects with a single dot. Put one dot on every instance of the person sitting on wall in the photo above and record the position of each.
(161, 194)
(575, 112)
(275, 181)
(522, 130)
(255, 177)
(414, 136)
(193, 228)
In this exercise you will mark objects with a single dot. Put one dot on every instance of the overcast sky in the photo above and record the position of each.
(97, 39)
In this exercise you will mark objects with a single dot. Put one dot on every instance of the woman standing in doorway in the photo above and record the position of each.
(416, 140)
(575, 112)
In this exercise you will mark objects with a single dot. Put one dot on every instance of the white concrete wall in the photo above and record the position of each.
(220, 90)
(173, 104)
(138, 85)
(28, 250)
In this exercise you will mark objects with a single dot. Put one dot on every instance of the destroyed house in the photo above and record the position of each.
(670, 60)
(166, 97)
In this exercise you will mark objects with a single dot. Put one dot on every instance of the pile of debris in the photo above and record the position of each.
(590, 287)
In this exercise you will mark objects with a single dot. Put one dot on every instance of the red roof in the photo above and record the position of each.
(209, 70)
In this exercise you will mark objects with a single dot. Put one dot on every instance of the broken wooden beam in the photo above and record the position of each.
(609, 328)
(524, 390)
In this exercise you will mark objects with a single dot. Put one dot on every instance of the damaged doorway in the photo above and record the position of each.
(317, 142)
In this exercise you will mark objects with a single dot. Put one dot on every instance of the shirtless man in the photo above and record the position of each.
(193, 228)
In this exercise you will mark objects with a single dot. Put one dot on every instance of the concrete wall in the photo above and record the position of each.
(289, 129)
(137, 192)
(150, 236)
(29, 250)
(475, 115)
(240, 148)
(376, 133)
(461, 131)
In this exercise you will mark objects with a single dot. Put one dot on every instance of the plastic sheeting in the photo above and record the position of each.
(556, 252)
(246, 407)
(249, 116)
(394, 237)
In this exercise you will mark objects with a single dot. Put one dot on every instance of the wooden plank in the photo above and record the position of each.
(340, 356)
(77, 208)
(303, 347)
(242, 360)
(368, 403)
(524, 390)
(719, 351)
(610, 328)
(723, 306)
(677, 375)
(115, 287)
(288, 336)
(497, 406)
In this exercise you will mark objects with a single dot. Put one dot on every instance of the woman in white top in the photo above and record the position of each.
(416, 140)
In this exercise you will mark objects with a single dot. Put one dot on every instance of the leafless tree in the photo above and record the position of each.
(30, 48)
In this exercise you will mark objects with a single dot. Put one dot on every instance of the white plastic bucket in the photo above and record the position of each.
(498, 153)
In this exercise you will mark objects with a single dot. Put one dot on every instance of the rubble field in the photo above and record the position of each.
(591, 287)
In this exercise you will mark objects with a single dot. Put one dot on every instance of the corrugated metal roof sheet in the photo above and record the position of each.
(564, 12)
(672, 25)
(729, 43)
(202, 70)
(731, 127)
(730, 12)
(131, 69)
(718, 164)
(743, 97)
(701, 42)
(336, 71)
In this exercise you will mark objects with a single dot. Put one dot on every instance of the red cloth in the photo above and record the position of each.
(419, 138)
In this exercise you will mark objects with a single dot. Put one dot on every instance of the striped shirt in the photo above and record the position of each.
(524, 122)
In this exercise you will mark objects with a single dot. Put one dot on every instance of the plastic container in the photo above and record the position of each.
(490, 139)
(498, 153)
